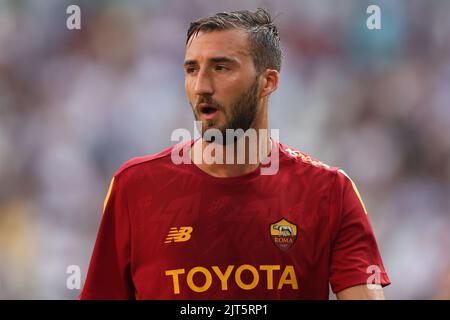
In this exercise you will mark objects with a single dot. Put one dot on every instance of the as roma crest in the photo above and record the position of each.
(283, 233)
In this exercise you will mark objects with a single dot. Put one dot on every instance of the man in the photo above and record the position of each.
(221, 230)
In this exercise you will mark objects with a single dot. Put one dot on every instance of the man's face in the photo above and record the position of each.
(221, 81)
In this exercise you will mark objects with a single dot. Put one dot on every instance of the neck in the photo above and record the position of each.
(237, 158)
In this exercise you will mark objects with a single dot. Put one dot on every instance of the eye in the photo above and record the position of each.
(189, 70)
(221, 68)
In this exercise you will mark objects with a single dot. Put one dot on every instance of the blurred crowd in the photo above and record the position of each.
(76, 104)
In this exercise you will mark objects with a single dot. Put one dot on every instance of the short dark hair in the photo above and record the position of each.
(263, 34)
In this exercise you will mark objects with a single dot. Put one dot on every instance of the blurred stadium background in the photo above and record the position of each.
(74, 105)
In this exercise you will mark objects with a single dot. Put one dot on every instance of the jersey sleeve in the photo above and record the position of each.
(355, 257)
(109, 274)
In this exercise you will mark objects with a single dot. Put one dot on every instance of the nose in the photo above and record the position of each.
(203, 84)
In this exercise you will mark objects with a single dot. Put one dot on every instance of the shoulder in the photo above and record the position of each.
(301, 159)
(303, 163)
(144, 164)
(320, 175)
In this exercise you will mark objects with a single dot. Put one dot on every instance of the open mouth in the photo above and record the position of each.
(207, 109)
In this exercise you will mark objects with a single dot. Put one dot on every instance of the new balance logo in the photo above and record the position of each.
(179, 235)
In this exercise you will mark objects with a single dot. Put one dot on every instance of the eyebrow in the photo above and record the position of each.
(213, 59)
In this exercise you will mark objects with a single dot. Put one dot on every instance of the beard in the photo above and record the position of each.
(240, 115)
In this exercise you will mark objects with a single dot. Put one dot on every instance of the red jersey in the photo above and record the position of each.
(174, 232)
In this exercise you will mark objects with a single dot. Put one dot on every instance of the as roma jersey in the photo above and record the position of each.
(172, 231)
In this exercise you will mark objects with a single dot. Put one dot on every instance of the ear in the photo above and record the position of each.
(269, 82)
